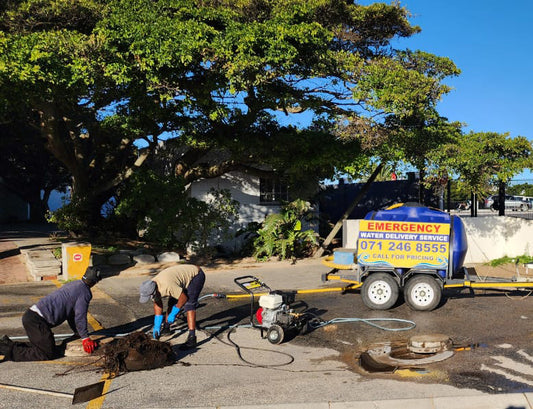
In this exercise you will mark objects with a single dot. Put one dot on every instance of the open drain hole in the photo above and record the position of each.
(419, 350)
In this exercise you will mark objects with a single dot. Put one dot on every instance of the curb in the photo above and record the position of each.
(485, 401)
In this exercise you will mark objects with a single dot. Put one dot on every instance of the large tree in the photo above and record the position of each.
(216, 76)
(479, 159)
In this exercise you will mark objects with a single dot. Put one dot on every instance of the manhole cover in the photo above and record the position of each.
(429, 344)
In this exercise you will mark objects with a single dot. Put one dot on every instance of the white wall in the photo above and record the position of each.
(489, 237)
(493, 237)
(243, 188)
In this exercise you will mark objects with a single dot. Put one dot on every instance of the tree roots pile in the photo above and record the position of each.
(136, 352)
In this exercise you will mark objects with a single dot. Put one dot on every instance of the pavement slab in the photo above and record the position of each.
(12, 267)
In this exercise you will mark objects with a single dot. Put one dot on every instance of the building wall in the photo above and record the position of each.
(243, 188)
(12, 207)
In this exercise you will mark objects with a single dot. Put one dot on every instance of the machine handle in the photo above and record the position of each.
(250, 283)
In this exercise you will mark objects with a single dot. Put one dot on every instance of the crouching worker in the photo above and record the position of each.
(182, 284)
(68, 303)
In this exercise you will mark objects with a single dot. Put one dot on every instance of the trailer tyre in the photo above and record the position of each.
(380, 291)
(423, 293)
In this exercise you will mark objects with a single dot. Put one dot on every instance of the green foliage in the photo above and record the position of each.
(520, 189)
(212, 224)
(98, 77)
(247, 235)
(57, 252)
(71, 218)
(164, 213)
(281, 233)
(479, 159)
(514, 260)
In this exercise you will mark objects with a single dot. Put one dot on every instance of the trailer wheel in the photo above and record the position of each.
(275, 334)
(380, 291)
(423, 293)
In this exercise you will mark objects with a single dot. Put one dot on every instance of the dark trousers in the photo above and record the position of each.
(192, 292)
(42, 346)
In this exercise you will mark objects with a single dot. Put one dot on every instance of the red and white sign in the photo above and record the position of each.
(77, 257)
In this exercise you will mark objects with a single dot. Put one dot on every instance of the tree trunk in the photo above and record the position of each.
(348, 211)
(421, 188)
(37, 212)
(501, 198)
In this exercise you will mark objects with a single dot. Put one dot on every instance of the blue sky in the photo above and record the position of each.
(490, 42)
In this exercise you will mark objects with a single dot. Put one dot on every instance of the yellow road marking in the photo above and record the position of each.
(98, 402)
(93, 322)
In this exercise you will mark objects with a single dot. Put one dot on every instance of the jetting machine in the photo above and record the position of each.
(274, 314)
(412, 249)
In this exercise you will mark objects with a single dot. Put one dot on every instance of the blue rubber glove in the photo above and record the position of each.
(173, 314)
(158, 320)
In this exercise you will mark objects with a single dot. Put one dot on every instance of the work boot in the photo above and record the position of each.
(6, 340)
(189, 344)
(6, 349)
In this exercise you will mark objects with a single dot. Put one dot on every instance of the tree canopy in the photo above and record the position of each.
(220, 82)
(481, 158)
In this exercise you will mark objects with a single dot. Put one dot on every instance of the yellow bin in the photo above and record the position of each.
(76, 258)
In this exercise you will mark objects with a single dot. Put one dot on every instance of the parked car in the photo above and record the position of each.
(511, 203)
(527, 199)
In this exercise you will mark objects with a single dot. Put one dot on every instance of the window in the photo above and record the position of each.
(272, 190)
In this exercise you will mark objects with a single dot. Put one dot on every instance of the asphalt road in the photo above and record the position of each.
(494, 329)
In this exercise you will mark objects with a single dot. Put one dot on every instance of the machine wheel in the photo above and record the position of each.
(380, 291)
(275, 334)
(423, 293)
(523, 208)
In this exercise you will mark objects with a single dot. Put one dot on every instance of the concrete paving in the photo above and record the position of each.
(12, 268)
(286, 276)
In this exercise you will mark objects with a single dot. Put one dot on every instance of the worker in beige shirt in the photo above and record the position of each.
(182, 285)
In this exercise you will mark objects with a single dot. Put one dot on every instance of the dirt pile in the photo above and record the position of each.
(136, 352)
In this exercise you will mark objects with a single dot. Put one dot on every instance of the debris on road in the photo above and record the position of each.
(137, 352)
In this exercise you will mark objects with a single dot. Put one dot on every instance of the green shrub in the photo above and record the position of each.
(281, 234)
(163, 212)
(70, 217)
(58, 253)
(514, 260)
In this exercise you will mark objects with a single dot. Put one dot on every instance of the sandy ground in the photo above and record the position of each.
(508, 270)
